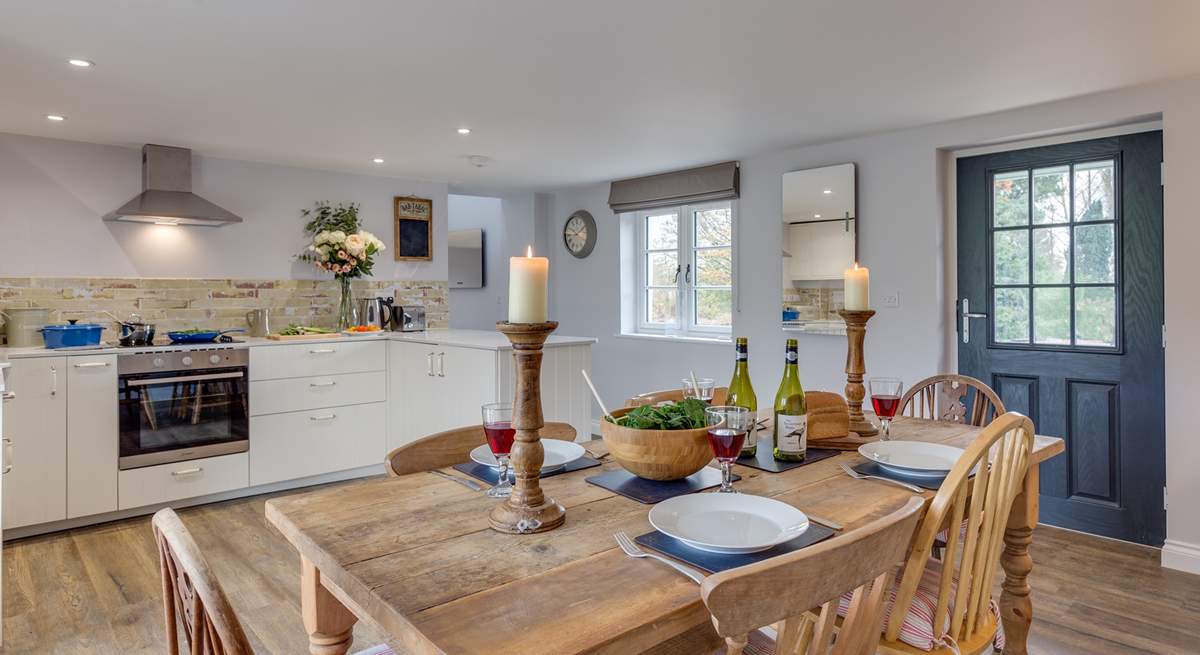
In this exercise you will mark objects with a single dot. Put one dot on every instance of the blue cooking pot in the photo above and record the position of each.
(73, 335)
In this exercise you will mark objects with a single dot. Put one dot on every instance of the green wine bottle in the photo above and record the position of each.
(741, 394)
(791, 411)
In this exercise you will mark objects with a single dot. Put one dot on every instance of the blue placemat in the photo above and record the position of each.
(492, 476)
(871, 468)
(717, 562)
(649, 492)
(764, 460)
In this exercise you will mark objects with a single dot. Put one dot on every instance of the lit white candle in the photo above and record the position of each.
(857, 282)
(527, 288)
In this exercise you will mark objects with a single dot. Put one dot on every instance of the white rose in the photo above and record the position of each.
(355, 243)
(336, 236)
(321, 237)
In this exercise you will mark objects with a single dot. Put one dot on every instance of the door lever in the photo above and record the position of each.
(967, 315)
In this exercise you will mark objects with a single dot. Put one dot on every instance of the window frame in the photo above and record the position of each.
(1071, 285)
(685, 286)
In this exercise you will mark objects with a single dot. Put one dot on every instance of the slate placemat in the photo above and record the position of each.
(763, 460)
(492, 476)
(649, 492)
(871, 468)
(717, 562)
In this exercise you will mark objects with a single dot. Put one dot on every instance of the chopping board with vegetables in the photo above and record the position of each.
(301, 332)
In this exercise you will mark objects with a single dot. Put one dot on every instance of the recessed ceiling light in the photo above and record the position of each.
(82, 63)
(55, 117)
(378, 160)
(816, 216)
(464, 131)
(827, 191)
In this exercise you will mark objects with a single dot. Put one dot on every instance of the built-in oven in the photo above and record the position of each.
(179, 405)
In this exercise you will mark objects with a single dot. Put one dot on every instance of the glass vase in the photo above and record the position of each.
(345, 313)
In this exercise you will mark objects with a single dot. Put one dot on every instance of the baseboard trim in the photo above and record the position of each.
(1181, 556)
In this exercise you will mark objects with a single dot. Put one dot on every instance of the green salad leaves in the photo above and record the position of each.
(684, 415)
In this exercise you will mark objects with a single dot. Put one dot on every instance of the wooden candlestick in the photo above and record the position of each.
(527, 510)
(856, 330)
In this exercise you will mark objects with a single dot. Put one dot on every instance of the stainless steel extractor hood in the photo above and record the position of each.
(166, 196)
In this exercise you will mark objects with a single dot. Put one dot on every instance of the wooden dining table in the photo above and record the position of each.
(413, 556)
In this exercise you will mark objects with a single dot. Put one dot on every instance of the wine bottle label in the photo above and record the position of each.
(791, 357)
(791, 433)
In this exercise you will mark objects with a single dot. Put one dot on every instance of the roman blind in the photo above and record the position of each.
(694, 185)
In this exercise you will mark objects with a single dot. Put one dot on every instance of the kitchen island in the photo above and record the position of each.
(271, 415)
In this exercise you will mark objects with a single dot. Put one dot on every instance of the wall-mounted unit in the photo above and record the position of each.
(466, 263)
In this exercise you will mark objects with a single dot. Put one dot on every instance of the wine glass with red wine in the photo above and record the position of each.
(727, 428)
(498, 427)
(885, 398)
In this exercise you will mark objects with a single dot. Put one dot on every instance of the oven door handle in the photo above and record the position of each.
(237, 375)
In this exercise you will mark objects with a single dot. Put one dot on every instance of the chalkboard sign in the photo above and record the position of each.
(414, 228)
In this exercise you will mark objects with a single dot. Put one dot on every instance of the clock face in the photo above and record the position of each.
(579, 234)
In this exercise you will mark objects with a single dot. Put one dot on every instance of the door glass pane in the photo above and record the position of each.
(1012, 315)
(1051, 255)
(1011, 257)
(662, 304)
(713, 307)
(1051, 195)
(1094, 191)
(661, 267)
(1010, 199)
(1052, 315)
(662, 231)
(1095, 254)
(714, 227)
(714, 268)
(1095, 316)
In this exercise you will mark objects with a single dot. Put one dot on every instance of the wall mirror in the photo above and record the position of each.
(820, 241)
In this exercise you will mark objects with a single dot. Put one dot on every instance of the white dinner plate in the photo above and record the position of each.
(559, 453)
(915, 458)
(728, 523)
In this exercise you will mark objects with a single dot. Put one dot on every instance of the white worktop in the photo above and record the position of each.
(479, 339)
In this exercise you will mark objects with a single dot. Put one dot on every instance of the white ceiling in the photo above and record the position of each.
(558, 92)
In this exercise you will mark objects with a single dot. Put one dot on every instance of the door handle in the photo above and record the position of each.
(429, 364)
(441, 365)
(91, 364)
(186, 472)
(7, 457)
(327, 417)
(967, 315)
(321, 351)
(53, 381)
(8, 395)
(331, 383)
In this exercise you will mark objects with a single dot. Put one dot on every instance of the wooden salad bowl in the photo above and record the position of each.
(656, 454)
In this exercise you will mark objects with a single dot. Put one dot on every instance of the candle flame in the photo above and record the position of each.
(856, 266)
(529, 251)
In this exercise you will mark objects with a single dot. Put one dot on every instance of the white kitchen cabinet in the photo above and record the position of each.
(92, 435)
(434, 387)
(152, 485)
(301, 444)
(329, 357)
(35, 422)
(293, 394)
(820, 250)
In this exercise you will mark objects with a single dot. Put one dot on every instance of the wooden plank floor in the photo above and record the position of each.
(96, 590)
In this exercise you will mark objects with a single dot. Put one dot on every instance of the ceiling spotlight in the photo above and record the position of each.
(55, 117)
(816, 216)
(82, 63)
(464, 131)
(827, 191)
(378, 160)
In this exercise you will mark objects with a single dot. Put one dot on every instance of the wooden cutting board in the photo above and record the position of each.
(303, 337)
(851, 441)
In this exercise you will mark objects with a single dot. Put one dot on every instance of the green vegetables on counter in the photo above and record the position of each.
(684, 415)
(297, 330)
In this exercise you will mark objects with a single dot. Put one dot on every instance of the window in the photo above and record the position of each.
(1056, 257)
(685, 270)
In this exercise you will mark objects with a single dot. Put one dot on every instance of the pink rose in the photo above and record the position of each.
(342, 254)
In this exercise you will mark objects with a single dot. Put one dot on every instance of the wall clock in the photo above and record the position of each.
(579, 234)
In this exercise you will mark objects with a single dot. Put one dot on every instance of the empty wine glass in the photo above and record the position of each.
(885, 398)
(727, 428)
(706, 388)
(498, 427)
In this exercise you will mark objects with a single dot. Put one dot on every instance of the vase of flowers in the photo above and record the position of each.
(340, 246)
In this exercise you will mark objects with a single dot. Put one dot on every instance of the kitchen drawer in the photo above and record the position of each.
(151, 485)
(295, 394)
(317, 358)
(300, 444)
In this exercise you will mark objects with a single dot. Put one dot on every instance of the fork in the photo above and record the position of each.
(632, 550)
(863, 476)
(470, 484)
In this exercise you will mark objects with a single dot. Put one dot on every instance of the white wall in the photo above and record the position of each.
(902, 181)
(53, 193)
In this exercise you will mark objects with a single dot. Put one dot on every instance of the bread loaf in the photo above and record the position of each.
(828, 417)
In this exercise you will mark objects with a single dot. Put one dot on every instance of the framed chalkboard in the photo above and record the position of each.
(414, 228)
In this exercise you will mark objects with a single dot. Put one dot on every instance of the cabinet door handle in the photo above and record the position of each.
(53, 381)
(91, 364)
(327, 417)
(441, 365)
(429, 364)
(8, 395)
(321, 351)
(185, 472)
(331, 383)
(7, 457)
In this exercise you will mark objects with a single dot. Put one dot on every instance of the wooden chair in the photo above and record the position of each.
(944, 398)
(958, 588)
(782, 588)
(453, 447)
(672, 396)
(193, 598)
